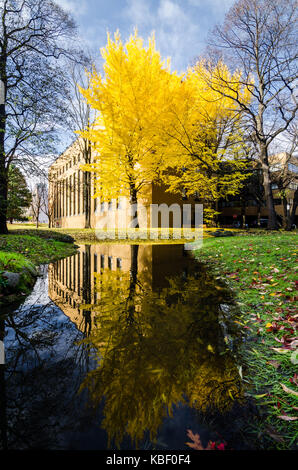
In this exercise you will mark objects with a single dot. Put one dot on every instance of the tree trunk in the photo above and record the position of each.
(259, 216)
(87, 185)
(134, 202)
(87, 199)
(3, 195)
(272, 220)
(131, 307)
(286, 215)
(3, 165)
(291, 220)
(243, 214)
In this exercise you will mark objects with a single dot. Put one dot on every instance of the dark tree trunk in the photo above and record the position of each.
(3, 195)
(286, 215)
(134, 202)
(3, 173)
(87, 289)
(272, 220)
(259, 216)
(291, 220)
(3, 165)
(133, 283)
(87, 186)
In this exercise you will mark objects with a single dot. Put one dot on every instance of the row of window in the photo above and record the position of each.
(71, 163)
(69, 197)
(69, 269)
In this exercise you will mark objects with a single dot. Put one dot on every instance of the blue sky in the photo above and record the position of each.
(181, 26)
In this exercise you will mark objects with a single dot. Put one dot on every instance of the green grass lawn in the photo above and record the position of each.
(261, 270)
(38, 250)
(91, 235)
(20, 253)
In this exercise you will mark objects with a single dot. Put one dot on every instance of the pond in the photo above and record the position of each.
(124, 346)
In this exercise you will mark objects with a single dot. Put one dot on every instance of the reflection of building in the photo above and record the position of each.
(75, 288)
(67, 190)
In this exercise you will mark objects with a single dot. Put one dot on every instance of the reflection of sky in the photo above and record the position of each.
(40, 321)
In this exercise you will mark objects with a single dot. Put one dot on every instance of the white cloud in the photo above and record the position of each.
(216, 6)
(175, 29)
(139, 12)
(75, 7)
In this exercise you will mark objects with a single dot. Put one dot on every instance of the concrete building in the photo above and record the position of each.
(74, 207)
(67, 182)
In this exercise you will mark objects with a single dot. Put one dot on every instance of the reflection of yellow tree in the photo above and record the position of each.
(168, 347)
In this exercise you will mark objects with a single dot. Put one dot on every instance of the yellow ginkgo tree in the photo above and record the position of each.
(205, 152)
(130, 97)
(155, 125)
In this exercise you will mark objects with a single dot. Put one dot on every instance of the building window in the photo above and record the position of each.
(95, 262)
(79, 191)
(110, 262)
(102, 206)
(277, 202)
(70, 195)
(102, 261)
(74, 194)
(119, 263)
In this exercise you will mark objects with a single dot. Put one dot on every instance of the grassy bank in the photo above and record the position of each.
(141, 236)
(21, 253)
(262, 272)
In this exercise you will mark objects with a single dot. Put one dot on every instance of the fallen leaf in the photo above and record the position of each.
(274, 364)
(289, 390)
(288, 418)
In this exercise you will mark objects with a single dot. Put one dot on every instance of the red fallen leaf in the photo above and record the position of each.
(294, 379)
(221, 446)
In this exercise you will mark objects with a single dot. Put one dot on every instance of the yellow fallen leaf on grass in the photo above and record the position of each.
(281, 350)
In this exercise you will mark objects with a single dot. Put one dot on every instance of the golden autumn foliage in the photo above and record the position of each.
(156, 349)
(156, 125)
(129, 99)
(205, 151)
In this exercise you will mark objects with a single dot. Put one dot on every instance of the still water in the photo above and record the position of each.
(119, 346)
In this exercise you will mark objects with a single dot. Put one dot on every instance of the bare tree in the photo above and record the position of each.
(80, 118)
(36, 38)
(259, 37)
(285, 177)
(36, 203)
(47, 202)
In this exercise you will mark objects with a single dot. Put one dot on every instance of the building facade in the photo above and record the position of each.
(71, 203)
(74, 207)
(249, 207)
